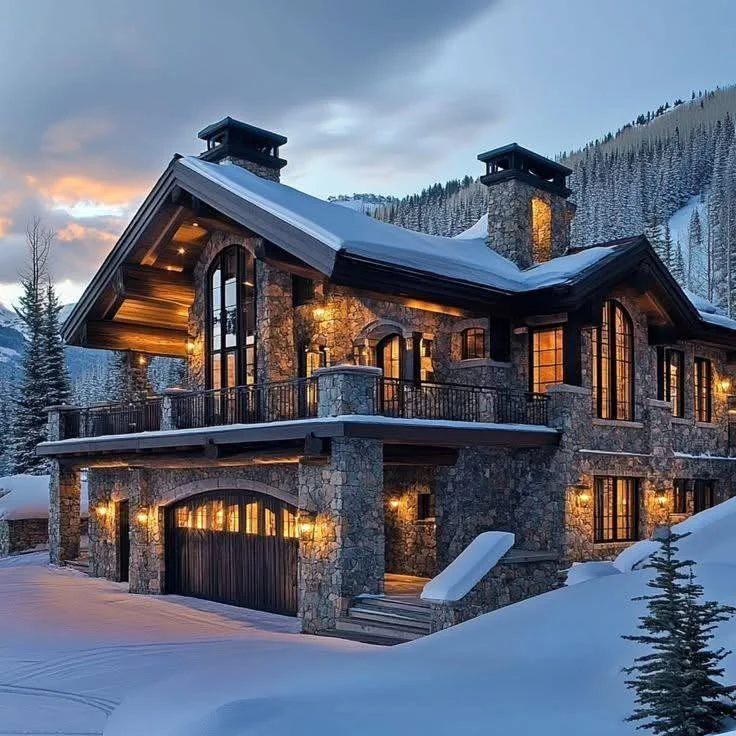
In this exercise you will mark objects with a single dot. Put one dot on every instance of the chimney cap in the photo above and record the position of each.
(246, 130)
(516, 162)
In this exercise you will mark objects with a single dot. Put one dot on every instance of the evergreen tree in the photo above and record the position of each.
(54, 372)
(29, 426)
(677, 682)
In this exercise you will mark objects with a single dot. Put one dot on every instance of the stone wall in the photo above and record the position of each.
(411, 543)
(18, 535)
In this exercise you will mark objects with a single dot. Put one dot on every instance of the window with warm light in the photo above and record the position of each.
(473, 343)
(671, 379)
(703, 385)
(218, 516)
(541, 231)
(200, 516)
(289, 525)
(546, 358)
(251, 518)
(183, 517)
(616, 511)
(613, 364)
(233, 518)
(231, 325)
(269, 523)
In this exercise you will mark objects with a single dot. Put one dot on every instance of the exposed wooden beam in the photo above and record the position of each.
(108, 335)
(145, 283)
(167, 232)
(152, 312)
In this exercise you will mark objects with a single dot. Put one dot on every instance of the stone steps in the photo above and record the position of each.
(384, 620)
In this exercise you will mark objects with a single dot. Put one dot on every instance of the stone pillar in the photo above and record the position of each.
(657, 489)
(132, 368)
(276, 354)
(343, 554)
(146, 573)
(347, 389)
(64, 496)
(168, 414)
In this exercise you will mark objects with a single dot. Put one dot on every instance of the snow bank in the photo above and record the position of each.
(581, 572)
(467, 569)
(27, 497)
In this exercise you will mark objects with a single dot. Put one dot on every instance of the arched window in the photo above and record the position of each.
(231, 320)
(613, 364)
(473, 343)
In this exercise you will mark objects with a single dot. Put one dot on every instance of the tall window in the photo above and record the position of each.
(693, 495)
(541, 231)
(231, 328)
(613, 364)
(546, 354)
(616, 513)
(703, 390)
(389, 353)
(473, 343)
(672, 379)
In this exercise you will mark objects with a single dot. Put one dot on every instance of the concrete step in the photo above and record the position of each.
(408, 606)
(389, 631)
(381, 641)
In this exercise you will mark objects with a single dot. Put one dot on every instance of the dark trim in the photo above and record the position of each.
(530, 179)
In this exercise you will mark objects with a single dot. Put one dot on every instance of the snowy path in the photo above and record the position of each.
(72, 647)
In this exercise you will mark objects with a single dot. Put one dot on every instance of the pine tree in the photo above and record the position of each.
(29, 426)
(676, 682)
(54, 372)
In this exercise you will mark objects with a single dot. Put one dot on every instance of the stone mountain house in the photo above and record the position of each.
(362, 400)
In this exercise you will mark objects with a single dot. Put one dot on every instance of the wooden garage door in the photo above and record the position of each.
(237, 547)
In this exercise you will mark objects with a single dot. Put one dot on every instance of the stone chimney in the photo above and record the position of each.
(233, 142)
(529, 215)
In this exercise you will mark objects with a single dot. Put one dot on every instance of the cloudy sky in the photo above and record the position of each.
(378, 95)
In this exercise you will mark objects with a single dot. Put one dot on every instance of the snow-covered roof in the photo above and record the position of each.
(27, 497)
(465, 257)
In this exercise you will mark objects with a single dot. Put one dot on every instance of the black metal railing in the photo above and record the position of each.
(123, 418)
(459, 402)
(268, 402)
(298, 399)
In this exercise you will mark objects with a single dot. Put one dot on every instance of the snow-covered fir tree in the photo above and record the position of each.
(678, 680)
(54, 372)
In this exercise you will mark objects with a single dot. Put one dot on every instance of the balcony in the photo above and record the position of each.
(298, 399)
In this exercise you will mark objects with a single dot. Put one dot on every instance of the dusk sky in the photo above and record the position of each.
(384, 96)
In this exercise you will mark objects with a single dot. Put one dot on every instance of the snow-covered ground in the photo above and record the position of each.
(72, 647)
(79, 655)
(550, 665)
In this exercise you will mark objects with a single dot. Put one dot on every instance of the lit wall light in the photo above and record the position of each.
(725, 384)
(142, 516)
(394, 503)
(582, 493)
(102, 511)
(319, 312)
(190, 347)
(662, 500)
(141, 360)
(307, 523)
(181, 251)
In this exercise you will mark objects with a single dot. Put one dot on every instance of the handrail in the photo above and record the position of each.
(298, 399)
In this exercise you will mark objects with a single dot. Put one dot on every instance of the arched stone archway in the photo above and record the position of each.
(226, 484)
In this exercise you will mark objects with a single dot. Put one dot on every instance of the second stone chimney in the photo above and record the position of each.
(529, 214)
(255, 149)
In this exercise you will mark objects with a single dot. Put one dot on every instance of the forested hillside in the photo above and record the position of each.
(670, 173)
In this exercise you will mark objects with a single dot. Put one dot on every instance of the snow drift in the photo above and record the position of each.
(551, 664)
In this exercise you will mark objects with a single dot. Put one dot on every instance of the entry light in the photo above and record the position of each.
(725, 384)
(190, 347)
(394, 503)
(102, 510)
(662, 500)
(581, 492)
(142, 516)
(306, 525)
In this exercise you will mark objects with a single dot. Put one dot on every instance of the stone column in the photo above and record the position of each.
(342, 555)
(64, 496)
(276, 354)
(657, 490)
(146, 572)
(168, 415)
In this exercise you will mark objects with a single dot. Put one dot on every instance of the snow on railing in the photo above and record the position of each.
(469, 567)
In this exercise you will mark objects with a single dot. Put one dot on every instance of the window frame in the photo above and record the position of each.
(245, 278)
(677, 399)
(608, 377)
(631, 486)
(478, 333)
(559, 365)
(703, 389)
(699, 488)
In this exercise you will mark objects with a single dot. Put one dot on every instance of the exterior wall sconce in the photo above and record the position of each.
(319, 312)
(581, 493)
(725, 385)
(142, 516)
(394, 503)
(661, 500)
(141, 360)
(307, 522)
(190, 347)
(102, 511)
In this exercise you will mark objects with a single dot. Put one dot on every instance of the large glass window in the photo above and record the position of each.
(672, 379)
(692, 495)
(546, 362)
(231, 327)
(616, 513)
(613, 364)
(473, 343)
(703, 385)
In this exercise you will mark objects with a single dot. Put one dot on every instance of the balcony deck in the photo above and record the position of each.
(285, 415)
